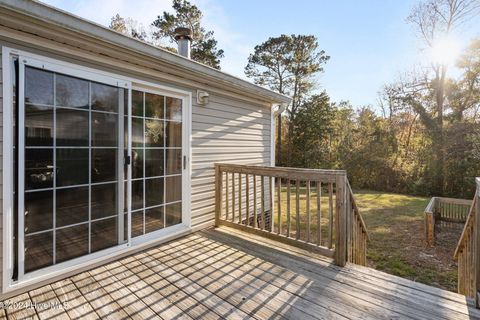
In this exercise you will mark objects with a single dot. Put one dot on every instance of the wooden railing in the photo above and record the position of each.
(444, 210)
(309, 208)
(357, 234)
(467, 252)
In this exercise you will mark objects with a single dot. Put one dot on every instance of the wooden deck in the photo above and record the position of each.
(224, 273)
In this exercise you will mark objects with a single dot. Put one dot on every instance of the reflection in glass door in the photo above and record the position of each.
(73, 131)
(70, 159)
(156, 142)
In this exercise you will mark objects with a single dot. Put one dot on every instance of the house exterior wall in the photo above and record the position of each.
(1, 169)
(227, 129)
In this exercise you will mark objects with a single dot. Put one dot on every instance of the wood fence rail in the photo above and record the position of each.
(309, 208)
(467, 252)
(447, 210)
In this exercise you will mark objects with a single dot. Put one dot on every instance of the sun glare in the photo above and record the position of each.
(445, 51)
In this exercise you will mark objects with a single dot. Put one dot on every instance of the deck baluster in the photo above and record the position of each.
(233, 197)
(279, 205)
(319, 213)
(247, 190)
(288, 207)
(255, 217)
(297, 209)
(240, 198)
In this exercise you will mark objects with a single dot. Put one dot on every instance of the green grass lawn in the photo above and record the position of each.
(397, 245)
(397, 239)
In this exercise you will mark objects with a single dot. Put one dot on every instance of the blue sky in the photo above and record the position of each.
(369, 42)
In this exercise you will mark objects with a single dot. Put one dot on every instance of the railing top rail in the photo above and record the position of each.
(431, 205)
(284, 172)
(453, 201)
(467, 225)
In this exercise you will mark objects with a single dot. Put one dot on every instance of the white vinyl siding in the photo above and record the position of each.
(228, 131)
(1, 168)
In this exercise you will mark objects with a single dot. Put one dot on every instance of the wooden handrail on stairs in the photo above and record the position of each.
(358, 234)
(467, 252)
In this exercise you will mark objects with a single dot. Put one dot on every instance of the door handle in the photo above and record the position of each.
(184, 162)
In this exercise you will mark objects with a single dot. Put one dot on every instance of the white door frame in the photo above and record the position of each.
(8, 199)
(186, 111)
(26, 61)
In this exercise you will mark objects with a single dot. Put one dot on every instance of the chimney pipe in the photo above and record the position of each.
(183, 36)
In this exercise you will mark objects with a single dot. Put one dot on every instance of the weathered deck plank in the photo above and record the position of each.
(411, 291)
(218, 281)
(165, 308)
(362, 295)
(277, 281)
(98, 297)
(47, 304)
(219, 306)
(202, 261)
(17, 307)
(151, 275)
(226, 274)
(76, 306)
(213, 288)
(134, 307)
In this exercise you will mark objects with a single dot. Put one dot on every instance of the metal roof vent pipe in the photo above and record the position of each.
(183, 36)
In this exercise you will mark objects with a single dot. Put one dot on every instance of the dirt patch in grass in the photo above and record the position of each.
(397, 245)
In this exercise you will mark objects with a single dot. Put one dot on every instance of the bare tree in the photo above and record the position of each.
(435, 20)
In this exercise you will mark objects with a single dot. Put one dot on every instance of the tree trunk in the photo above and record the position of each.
(438, 139)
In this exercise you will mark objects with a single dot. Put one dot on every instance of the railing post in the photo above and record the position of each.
(430, 217)
(430, 228)
(341, 222)
(218, 194)
(477, 248)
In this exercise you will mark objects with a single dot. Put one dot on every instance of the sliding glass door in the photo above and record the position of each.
(99, 164)
(156, 144)
(70, 167)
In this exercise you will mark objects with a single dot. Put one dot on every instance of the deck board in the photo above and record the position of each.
(368, 293)
(17, 307)
(134, 307)
(227, 274)
(156, 278)
(77, 307)
(221, 307)
(278, 282)
(47, 304)
(245, 295)
(147, 293)
(329, 278)
(101, 301)
(205, 265)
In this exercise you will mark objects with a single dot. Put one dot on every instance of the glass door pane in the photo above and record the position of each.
(73, 153)
(156, 183)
